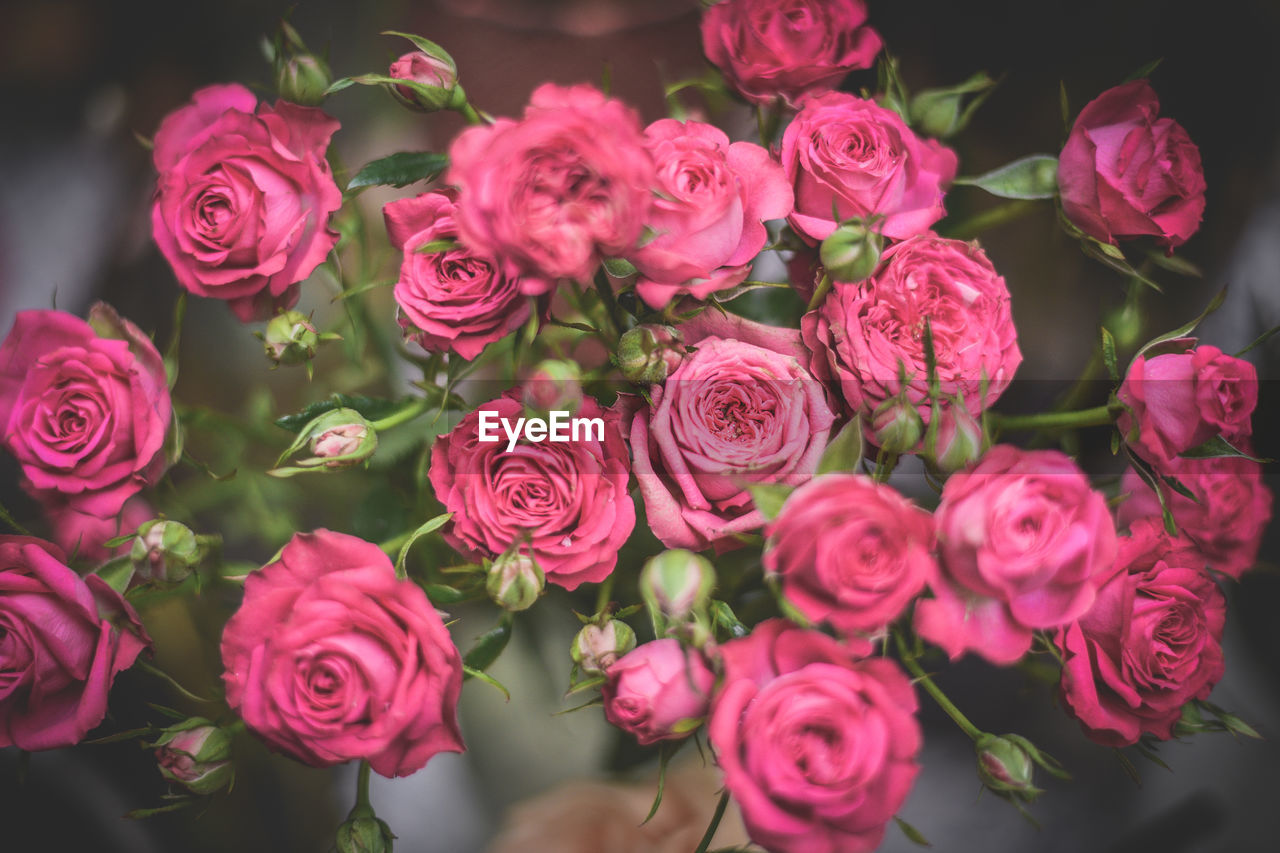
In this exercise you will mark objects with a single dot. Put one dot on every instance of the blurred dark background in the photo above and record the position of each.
(78, 78)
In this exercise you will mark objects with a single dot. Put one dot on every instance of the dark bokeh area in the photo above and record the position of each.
(78, 79)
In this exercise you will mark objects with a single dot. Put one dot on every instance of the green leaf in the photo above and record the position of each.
(1174, 264)
(1259, 341)
(619, 267)
(769, 497)
(1064, 105)
(1109, 355)
(443, 594)
(489, 645)
(372, 408)
(171, 351)
(913, 835)
(400, 170)
(140, 814)
(117, 573)
(429, 526)
(1218, 447)
(586, 684)
(845, 450)
(1149, 477)
(13, 524)
(1035, 176)
(479, 675)
(1145, 71)
(1186, 328)
(425, 45)
(664, 758)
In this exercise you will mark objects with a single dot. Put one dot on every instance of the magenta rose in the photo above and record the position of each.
(1178, 401)
(864, 335)
(84, 536)
(1125, 173)
(451, 299)
(856, 158)
(244, 198)
(85, 408)
(1024, 543)
(817, 748)
(63, 640)
(732, 414)
(1227, 519)
(564, 503)
(1150, 644)
(769, 49)
(850, 551)
(550, 195)
(658, 691)
(712, 198)
(331, 658)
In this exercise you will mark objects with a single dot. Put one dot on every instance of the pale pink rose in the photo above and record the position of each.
(552, 194)
(63, 640)
(861, 159)
(712, 198)
(850, 551)
(1177, 401)
(818, 748)
(732, 414)
(1150, 644)
(331, 658)
(244, 198)
(769, 49)
(658, 691)
(1024, 544)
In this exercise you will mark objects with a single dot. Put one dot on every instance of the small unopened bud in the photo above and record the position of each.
(677, 583)
(959, 437)
(897, 426)
(650, 353)
(597, 647)
(365, 834)
(851, 252)
(196, 754)
(1005, 767)
(338, 444)
(339, 438)
(943, 113)
(431, 81)
(515, 581)
(553, 386)
(164, 550)
(290, 338)
(303, 79)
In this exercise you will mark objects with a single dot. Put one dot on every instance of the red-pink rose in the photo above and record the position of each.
(331, 658)
(452, 299)
(818, 748)
(63, 640)
(769, 49)
(732, 414)
(850, 551)
(85, 408)
(851, 155)
(1025, 543)
(865, 334)
(712, 198)
(1178, 401)
(1227, 519)
(550, 195)
(658, 691)
(1124, 173)
(1150, 643)
(564, 503)
(244, 198)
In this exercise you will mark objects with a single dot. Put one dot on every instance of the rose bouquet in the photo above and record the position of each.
(730, 404)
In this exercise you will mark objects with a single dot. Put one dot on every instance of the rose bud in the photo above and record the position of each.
(942, 113)
(432, 80)
(897, 425)
(515, 582)
(197, 755)
(164, 550)
(365, 834)
(958, 440)
(598, 647)
(303, 79)
(659, 691)
(1004, 767)
(553, 386)
(290, 338)
(677, 583)
(339, 438)
(649, 353)
(851, 252)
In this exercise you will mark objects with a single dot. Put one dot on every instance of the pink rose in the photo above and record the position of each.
(850, 551)
(711, 201)
(658, 691)
(244, 198)
(769, 49)
(550, 195)
(63, 640)
(864, 335)
(1124, 173)
(1228, 518)
(564, 503)
(83, 536)
(819, 749)
(85, 408)
(1025, 543)
(732, 414)
(451, 299)
(861, 159)
(1178, 401)
(332, 658)
(1150, 644)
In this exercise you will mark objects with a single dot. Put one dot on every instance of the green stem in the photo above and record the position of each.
(393, 545)
(363, 808)
(1097, 416)
(609, 302)
(967, 229)
(923, 679)
(469, 113)
(408, 413)
(714, 825)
